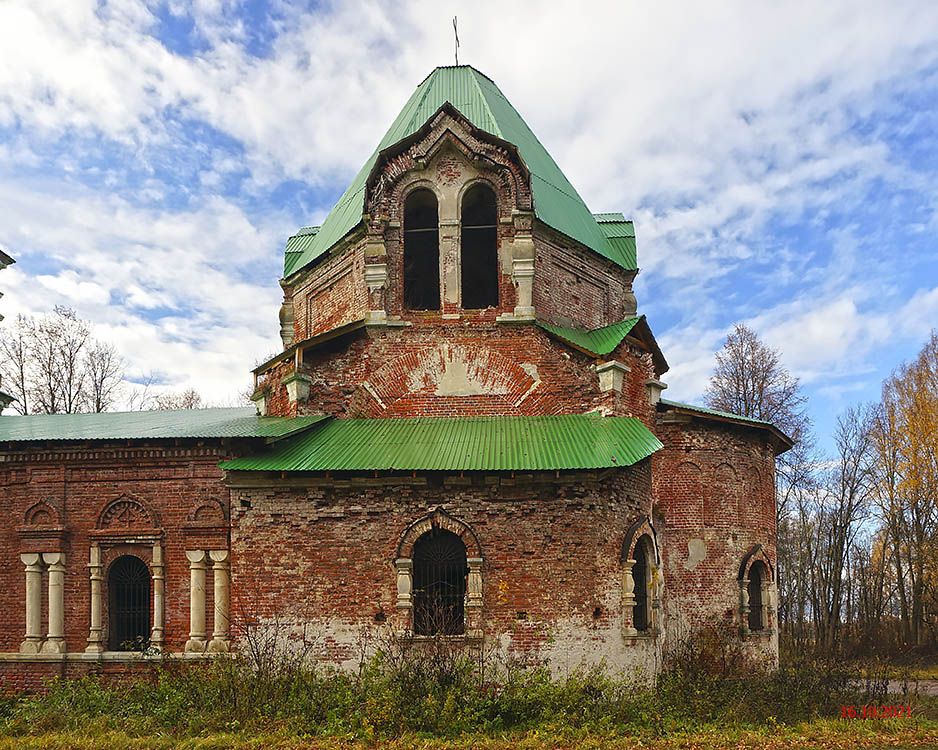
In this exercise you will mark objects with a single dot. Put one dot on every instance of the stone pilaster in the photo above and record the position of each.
(221, 619)
(628, 598)
(55, 640)
(156, 635)
(197, 565)
(376, 279)
(95, 572)
(405, 569)
(474, 597)
(33, 640)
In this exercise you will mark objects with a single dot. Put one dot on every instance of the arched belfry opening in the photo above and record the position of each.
(479, 248)
(421, 251)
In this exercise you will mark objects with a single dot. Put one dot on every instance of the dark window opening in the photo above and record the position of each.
(439, 591)
(421, 252)
(755, 597)
(640, 577)
(128, 586)
(479, 248)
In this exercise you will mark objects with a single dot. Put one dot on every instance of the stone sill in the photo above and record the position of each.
(104, 656)
(758, 635)
(649, 635)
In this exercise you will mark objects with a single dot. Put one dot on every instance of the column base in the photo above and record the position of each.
(219, 646)
(94, 648)
(53, 646)
(31, 646)
(195, 646)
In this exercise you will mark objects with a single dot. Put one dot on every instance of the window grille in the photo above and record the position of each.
(439, 591)
(128, 584)
(479, 248)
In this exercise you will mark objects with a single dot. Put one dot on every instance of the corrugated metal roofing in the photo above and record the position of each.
(140, 425)
(543, 443)
(476, 96)
(298, 244)
(598, 341)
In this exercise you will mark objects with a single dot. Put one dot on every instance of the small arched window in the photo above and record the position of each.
(421, 251)
(128, 585)
(756, 609)
(641, 573)
(439, 590)
(479, 248)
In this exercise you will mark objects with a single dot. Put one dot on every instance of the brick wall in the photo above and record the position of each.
(714, 490)
(319, 559)
(177, 482)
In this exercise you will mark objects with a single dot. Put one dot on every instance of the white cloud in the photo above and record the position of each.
(703, 121)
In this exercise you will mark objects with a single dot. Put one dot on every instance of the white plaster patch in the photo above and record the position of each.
(696, 553)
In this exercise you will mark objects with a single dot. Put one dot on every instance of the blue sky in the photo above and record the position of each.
(779, 160)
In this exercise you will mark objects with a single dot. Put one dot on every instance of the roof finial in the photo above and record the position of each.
(456, 34)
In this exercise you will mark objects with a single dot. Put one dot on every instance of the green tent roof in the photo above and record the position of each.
(142, 425)
(477, 98)
(543, 443)
(598, 341)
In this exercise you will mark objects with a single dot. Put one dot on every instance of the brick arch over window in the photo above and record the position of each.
(127, 511)
(208, 511)
(641, 580)
(436, 522)
(756, 552)
(636, 531)
(438, 519)
(43, 513)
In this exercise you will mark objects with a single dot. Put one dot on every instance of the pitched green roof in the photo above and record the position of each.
(141, 425)
(298, 244)
(598, 341)
(620, 234)
(667, 404)
(544, 443)
(477, 98)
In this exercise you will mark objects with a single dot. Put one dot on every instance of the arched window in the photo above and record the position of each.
(756, 580)
(641, 574)
(479, 248)
(421, 251)
(128, 585)
(439, 590)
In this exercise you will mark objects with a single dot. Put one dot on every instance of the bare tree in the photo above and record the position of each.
(15, 361)
(187, 399)
(104, 368)
(57, 353)
(749, 379)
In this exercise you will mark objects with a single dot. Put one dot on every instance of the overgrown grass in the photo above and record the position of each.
(437, 696)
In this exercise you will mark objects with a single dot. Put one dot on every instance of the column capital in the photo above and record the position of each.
(218, 555)
(53, 558)
(195, 556)
(30, 559)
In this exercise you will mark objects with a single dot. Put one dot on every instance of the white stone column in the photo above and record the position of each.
(156, 635)
(196, 642)
(474, 597)
(33, 641)
(628, 599)
(55, 640)
(405, 568)
(221, 619)
(95, 569)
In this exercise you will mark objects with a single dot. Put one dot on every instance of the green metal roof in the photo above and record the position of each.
(543, 443)
(298, 244)
(706, 412)
(477, 98)
(141, 425)
(598, 341)
(620, 234)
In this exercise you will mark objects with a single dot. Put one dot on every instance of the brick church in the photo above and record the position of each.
(464, 436)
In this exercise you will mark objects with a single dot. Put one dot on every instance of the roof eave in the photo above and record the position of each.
(782, 442)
